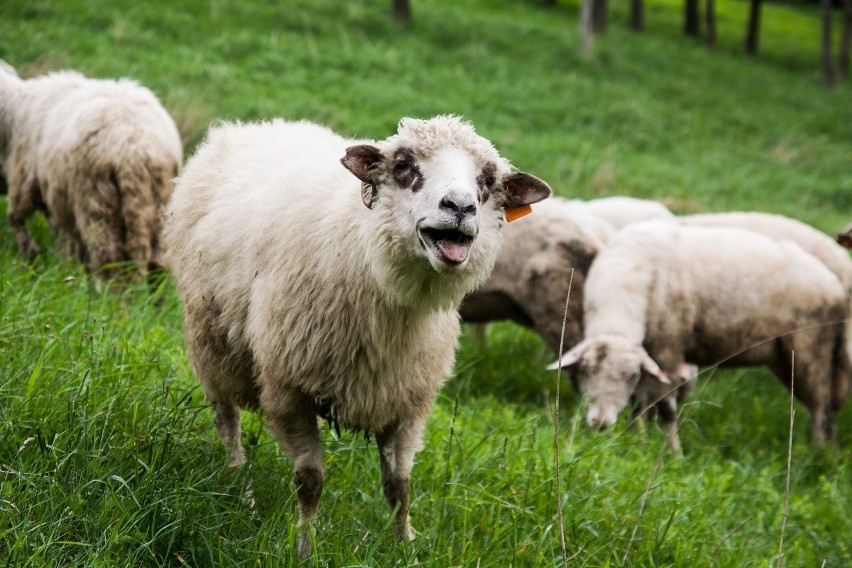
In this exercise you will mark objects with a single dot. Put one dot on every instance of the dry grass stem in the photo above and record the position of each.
(556, 430)
(789, 459)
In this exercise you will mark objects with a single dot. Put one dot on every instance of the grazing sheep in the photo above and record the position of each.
(810, 239)
(621, 210)
(305, 296)
(530, 281)
(844, 238)
(97, 156)
(662, 294)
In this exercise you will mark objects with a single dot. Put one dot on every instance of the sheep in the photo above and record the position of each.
(621, 210)
(662, 294)
(775, 226)
(530, 281)
(96, 156)
(305, 296)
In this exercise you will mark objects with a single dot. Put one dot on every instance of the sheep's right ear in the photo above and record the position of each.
(362, 160)
(570, 358)
(524, 189)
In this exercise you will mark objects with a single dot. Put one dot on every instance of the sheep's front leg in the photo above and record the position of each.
(295, 425)
(24, 200)
(668, 417)
(397, 445)
(227, 421)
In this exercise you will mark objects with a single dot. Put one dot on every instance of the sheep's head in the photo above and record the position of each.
(441, 188)
(609, 370)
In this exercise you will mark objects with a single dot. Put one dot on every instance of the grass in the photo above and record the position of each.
(107, 451)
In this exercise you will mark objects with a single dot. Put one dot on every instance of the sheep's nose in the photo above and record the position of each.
(459, 204)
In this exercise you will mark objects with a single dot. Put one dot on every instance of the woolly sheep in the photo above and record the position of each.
(530, 281)
(531, 278)
(97, 156)
(775, 226)
(662, 294)
(622, 210)
(305, 296)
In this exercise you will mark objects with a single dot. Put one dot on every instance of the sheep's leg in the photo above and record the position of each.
(23, 201)
(668, 416)
(227, 423)
(397, 446)
(295, 426)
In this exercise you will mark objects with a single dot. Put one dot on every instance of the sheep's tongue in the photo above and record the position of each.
(452, 250)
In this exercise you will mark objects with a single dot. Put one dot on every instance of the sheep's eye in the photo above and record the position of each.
(401, 167)
(490, 181)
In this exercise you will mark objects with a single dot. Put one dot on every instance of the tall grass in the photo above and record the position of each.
(107, 451)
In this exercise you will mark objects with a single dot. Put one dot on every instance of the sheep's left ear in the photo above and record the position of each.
(523, 189)
(363, 161)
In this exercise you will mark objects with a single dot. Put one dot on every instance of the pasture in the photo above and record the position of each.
(108, 455)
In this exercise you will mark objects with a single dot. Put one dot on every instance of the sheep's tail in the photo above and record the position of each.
(145, 187)
(842, 377)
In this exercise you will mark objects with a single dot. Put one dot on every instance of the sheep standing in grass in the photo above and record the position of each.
(306, 296)
(530, 281)
(97, 156)
(661, 295)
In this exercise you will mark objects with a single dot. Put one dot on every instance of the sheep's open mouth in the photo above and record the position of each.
(452, 244)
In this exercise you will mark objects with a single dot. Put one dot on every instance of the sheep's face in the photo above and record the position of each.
(608, 372)
(441, 189)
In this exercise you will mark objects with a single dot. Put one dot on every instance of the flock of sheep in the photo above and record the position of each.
(326, 277)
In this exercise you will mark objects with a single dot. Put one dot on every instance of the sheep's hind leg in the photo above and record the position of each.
(397, 446)
(293, 421)
(227, 421)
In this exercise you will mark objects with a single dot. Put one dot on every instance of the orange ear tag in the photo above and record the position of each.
(515, 213)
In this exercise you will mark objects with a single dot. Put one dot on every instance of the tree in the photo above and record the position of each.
(846, 40)
(753, 27)
(637, 16)
(691, 18)
(828, 76)
(402, 10)
(600, 17)
(586, 9)
(710, 22)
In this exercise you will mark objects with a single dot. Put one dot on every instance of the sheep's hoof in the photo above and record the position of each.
(404, 533)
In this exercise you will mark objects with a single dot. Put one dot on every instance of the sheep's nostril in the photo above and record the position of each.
(457, 206)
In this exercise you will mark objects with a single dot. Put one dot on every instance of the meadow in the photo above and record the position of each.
(108, 455)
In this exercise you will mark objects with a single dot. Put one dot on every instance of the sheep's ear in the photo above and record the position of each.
(570, 358)
(650, 366)
(362, 160)
(523, 189)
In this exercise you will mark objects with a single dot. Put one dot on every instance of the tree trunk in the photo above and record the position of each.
(846, 40)
(753, 27)
(710, 23)
(586, 9)
(402, 11)
(691, 17)
(600, 17)
(828, 78)
(637, 16)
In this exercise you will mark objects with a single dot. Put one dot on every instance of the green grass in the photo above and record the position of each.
(108, 456)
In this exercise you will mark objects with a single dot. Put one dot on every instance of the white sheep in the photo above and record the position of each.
(97, 156)
(309, 292)
(812, 240)
(662, 294)
(530, 281)
(622, 210)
